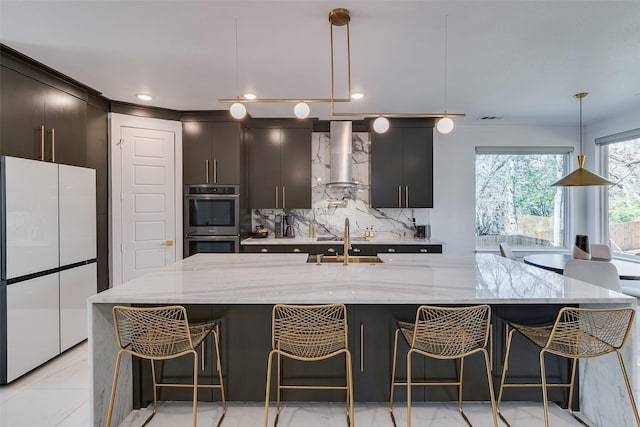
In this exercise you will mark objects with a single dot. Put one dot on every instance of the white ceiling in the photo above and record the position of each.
(521, 60)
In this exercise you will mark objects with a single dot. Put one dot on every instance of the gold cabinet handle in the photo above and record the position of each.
(167, 243)
(42, 142)
(361, 347)
(423, 250)
(53, 145)
(406, 196)
(331, 250)
(296, 250)
(284, 196)
(206, 171)
(264, 250)
(391, 250)
(399, 196)
(215, 171)
(276, 197)
(356, 250)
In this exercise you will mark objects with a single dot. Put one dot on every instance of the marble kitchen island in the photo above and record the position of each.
(249, 284)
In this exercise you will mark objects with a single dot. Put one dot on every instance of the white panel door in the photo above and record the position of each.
(77, 189)
(31, 191)
(33, 330)
(148, 200)
(76, 285)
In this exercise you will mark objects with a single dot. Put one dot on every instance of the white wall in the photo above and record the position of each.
(453, 215)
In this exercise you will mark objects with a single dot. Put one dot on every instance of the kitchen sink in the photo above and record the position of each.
(340, 259)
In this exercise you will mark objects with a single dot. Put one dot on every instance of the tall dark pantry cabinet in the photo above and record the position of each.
(47, 116)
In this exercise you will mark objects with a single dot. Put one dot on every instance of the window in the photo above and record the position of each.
(621, 202)
(515, 202)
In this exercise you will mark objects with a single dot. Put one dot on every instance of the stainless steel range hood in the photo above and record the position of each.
(341, 158)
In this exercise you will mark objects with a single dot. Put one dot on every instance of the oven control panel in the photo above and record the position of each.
(213, 189)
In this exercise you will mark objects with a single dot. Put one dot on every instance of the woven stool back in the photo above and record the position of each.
(309, 331)
(581, 332)
(153, 332)
(451, 332)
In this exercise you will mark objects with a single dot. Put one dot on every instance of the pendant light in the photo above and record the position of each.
(581, 177)
(445, 124)
(339, 17)
(237, 109)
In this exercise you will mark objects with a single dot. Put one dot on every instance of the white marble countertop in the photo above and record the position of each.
(354, 241)
(400, 279)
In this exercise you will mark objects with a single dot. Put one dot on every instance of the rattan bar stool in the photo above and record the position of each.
(444, 333)
(309, 333)
(162, 333)
(578, 333)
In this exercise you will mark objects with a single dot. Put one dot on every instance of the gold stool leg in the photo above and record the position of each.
(155, 393)
(266, 400)
(573, 378)
(544, 389)
(279, 384)
(155, 386)
(409, 388)
(487, 359)
(195, 387)
(351, 414)
(505, 367)
(219, 368)
(393, 372)
(629, 390)
(460, 385)
(113, 388)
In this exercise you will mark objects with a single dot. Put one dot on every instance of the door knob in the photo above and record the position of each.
(167, 243)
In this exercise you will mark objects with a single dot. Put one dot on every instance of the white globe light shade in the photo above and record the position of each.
(301, 110)
(238, 110)
(381, 125)
(444, 125)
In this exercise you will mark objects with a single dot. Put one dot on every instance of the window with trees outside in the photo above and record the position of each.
(621, 216)
(515, 202)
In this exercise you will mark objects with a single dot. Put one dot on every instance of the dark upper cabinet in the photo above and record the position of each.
(22, 130)
(402, 168)
(211, 152)
(295, 168)
(66, 128)
(41, 122)
(280, 168)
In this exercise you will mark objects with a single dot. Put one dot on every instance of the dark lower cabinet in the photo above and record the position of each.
(246, 342)
(338, 249)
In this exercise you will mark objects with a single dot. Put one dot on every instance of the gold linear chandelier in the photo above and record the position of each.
(338, 18)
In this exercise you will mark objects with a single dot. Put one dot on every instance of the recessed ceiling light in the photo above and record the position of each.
(249, 96)
(144, 96)
(357, 95)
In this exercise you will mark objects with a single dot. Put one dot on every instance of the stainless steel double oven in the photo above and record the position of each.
(211, 219)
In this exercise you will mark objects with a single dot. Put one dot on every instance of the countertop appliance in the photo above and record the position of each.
(48, 260)
(287, 226)
(211, 219)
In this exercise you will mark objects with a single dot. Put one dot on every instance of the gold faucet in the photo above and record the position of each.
(347, 241)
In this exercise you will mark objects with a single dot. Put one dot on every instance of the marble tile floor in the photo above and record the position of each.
(56, 394)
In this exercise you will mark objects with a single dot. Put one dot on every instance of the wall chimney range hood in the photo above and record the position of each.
(340, 179)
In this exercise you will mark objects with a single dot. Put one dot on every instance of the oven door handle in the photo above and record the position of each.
(211, 238)
(211, 196)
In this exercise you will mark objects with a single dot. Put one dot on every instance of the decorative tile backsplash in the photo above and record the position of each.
(330, 208)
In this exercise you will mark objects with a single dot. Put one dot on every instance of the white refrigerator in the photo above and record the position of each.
(48, 260)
